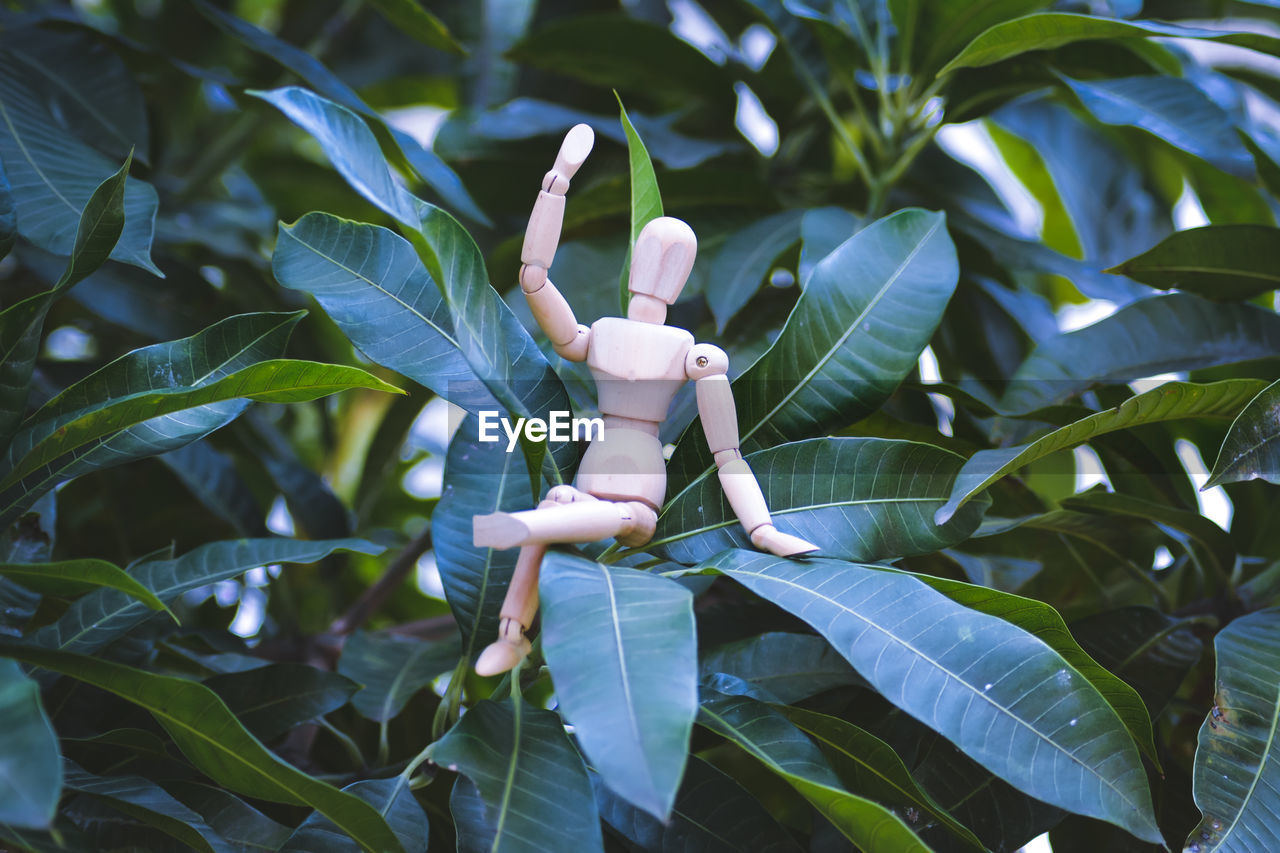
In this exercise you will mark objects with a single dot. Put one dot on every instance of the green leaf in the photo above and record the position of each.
(1163, 334)
(411, 19)
(1227, 263)
(646, 200)
(391, 669)
(743, 261)
(622, 650)
(855, 498)
(149, 803)
(241, 824)
(938, 29)
(31, 771)
(73, 577)
(789, 667)
(479, 478)
(712, 813)
(371, 283)
(1170, 401)
(21, 324)
(1251, 449)
(53, 176)
(535, 789)
(8, 216)
(394, 801)
(867, 311)
(869, 766)
(1054, 29)
(766, 735)
(100, 617)
(1149, 649)
(212, 477)
(271, 700)
(1235, 780)
(209, 735)
(1000, 694)
(1172, 109)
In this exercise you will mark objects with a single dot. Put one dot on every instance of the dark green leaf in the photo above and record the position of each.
(1226, 263)
(212, 477)
(394, 801)
(244, 826)
(1251, 449)
(271, 700)
(31, 771)
(937, 29)
(391, 669)
(790, 667)
(745, 259)
(1151, 650)
(8, 216)
(73, 577)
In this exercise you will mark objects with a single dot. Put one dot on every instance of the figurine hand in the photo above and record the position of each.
(766, 537)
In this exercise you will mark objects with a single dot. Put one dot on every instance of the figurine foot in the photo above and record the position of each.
(509, 649)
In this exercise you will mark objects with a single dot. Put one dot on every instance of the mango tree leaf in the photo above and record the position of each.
(148, 803)
(1226, 263)
(870, 767)
(790, 667)
(236, 821)
(209, 735)
(479, 478)
(212, 477)
(370, 282)
(1163, 334)
(1055, 29)
(1172, 109)
(867, 311)
(937, 29)
(765, 734)
(392, 798)
(100, 617)
(855, 498)
(535, 790)
(1170, 401)
(646, 200)
(743, 261)
(391, 669)
(270, 700)
(8, 216)
(1149, 649)
(1235, 780)
(622, 650)
(822, 230)
(712, 813)
(73, 577)
(410, 18)
(1000, 694)
(1251, 449)
(31, 770)
(470, 822)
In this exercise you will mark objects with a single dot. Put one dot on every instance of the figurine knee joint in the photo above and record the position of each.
(639, 524)
(706, 360)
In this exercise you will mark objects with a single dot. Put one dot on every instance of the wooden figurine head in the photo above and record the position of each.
(660, 265)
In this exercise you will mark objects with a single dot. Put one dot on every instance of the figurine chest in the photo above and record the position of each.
(638, 367)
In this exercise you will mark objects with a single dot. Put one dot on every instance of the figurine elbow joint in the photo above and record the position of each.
(576, 349)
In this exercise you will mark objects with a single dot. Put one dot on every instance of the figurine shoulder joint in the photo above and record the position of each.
(706, 360)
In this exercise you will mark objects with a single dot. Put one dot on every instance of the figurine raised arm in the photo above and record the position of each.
(638, 364)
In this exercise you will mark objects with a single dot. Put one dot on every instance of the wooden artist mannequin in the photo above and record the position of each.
(639, 364)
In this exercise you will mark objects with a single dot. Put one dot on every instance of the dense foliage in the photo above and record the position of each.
(257, 633)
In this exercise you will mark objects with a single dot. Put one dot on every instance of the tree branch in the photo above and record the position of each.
(368, 603)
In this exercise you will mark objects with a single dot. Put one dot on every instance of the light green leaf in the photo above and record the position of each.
(535, 790)
(1170, 401)
(391, 669)
(646, 200)
(410, 18)
(1251, 449)
(766, 735)
(73, 577)
(855, 498)
(1225, 263)
(937, 29)
(998, 693)
(209, 735)
(394, 801)
(1237, 766)
(623, 653)
(31, 767)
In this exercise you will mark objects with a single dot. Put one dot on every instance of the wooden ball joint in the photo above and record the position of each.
(639, 364)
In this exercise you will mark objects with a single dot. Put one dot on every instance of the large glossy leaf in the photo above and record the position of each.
(622, 649)
(936, 30)
(148, 803)
(1219, 262)
(646, 200)
(1162, 334)
(52, 174)
(270, 700)
(1170, 401)
(712, 813)
(73, 577)
(1151, 650)
(766, 734)
(789, 667)
(1000, 694)
(30, 766)
(100, 617)
(1237, 775)
(534, 787)
(867, 311)
(1251, 449)
(392, 798)
(391, 669)
(743, 261)
(869, 766)
(209, 735)
(1055, 29)
(855, 498)
(1172, 109)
